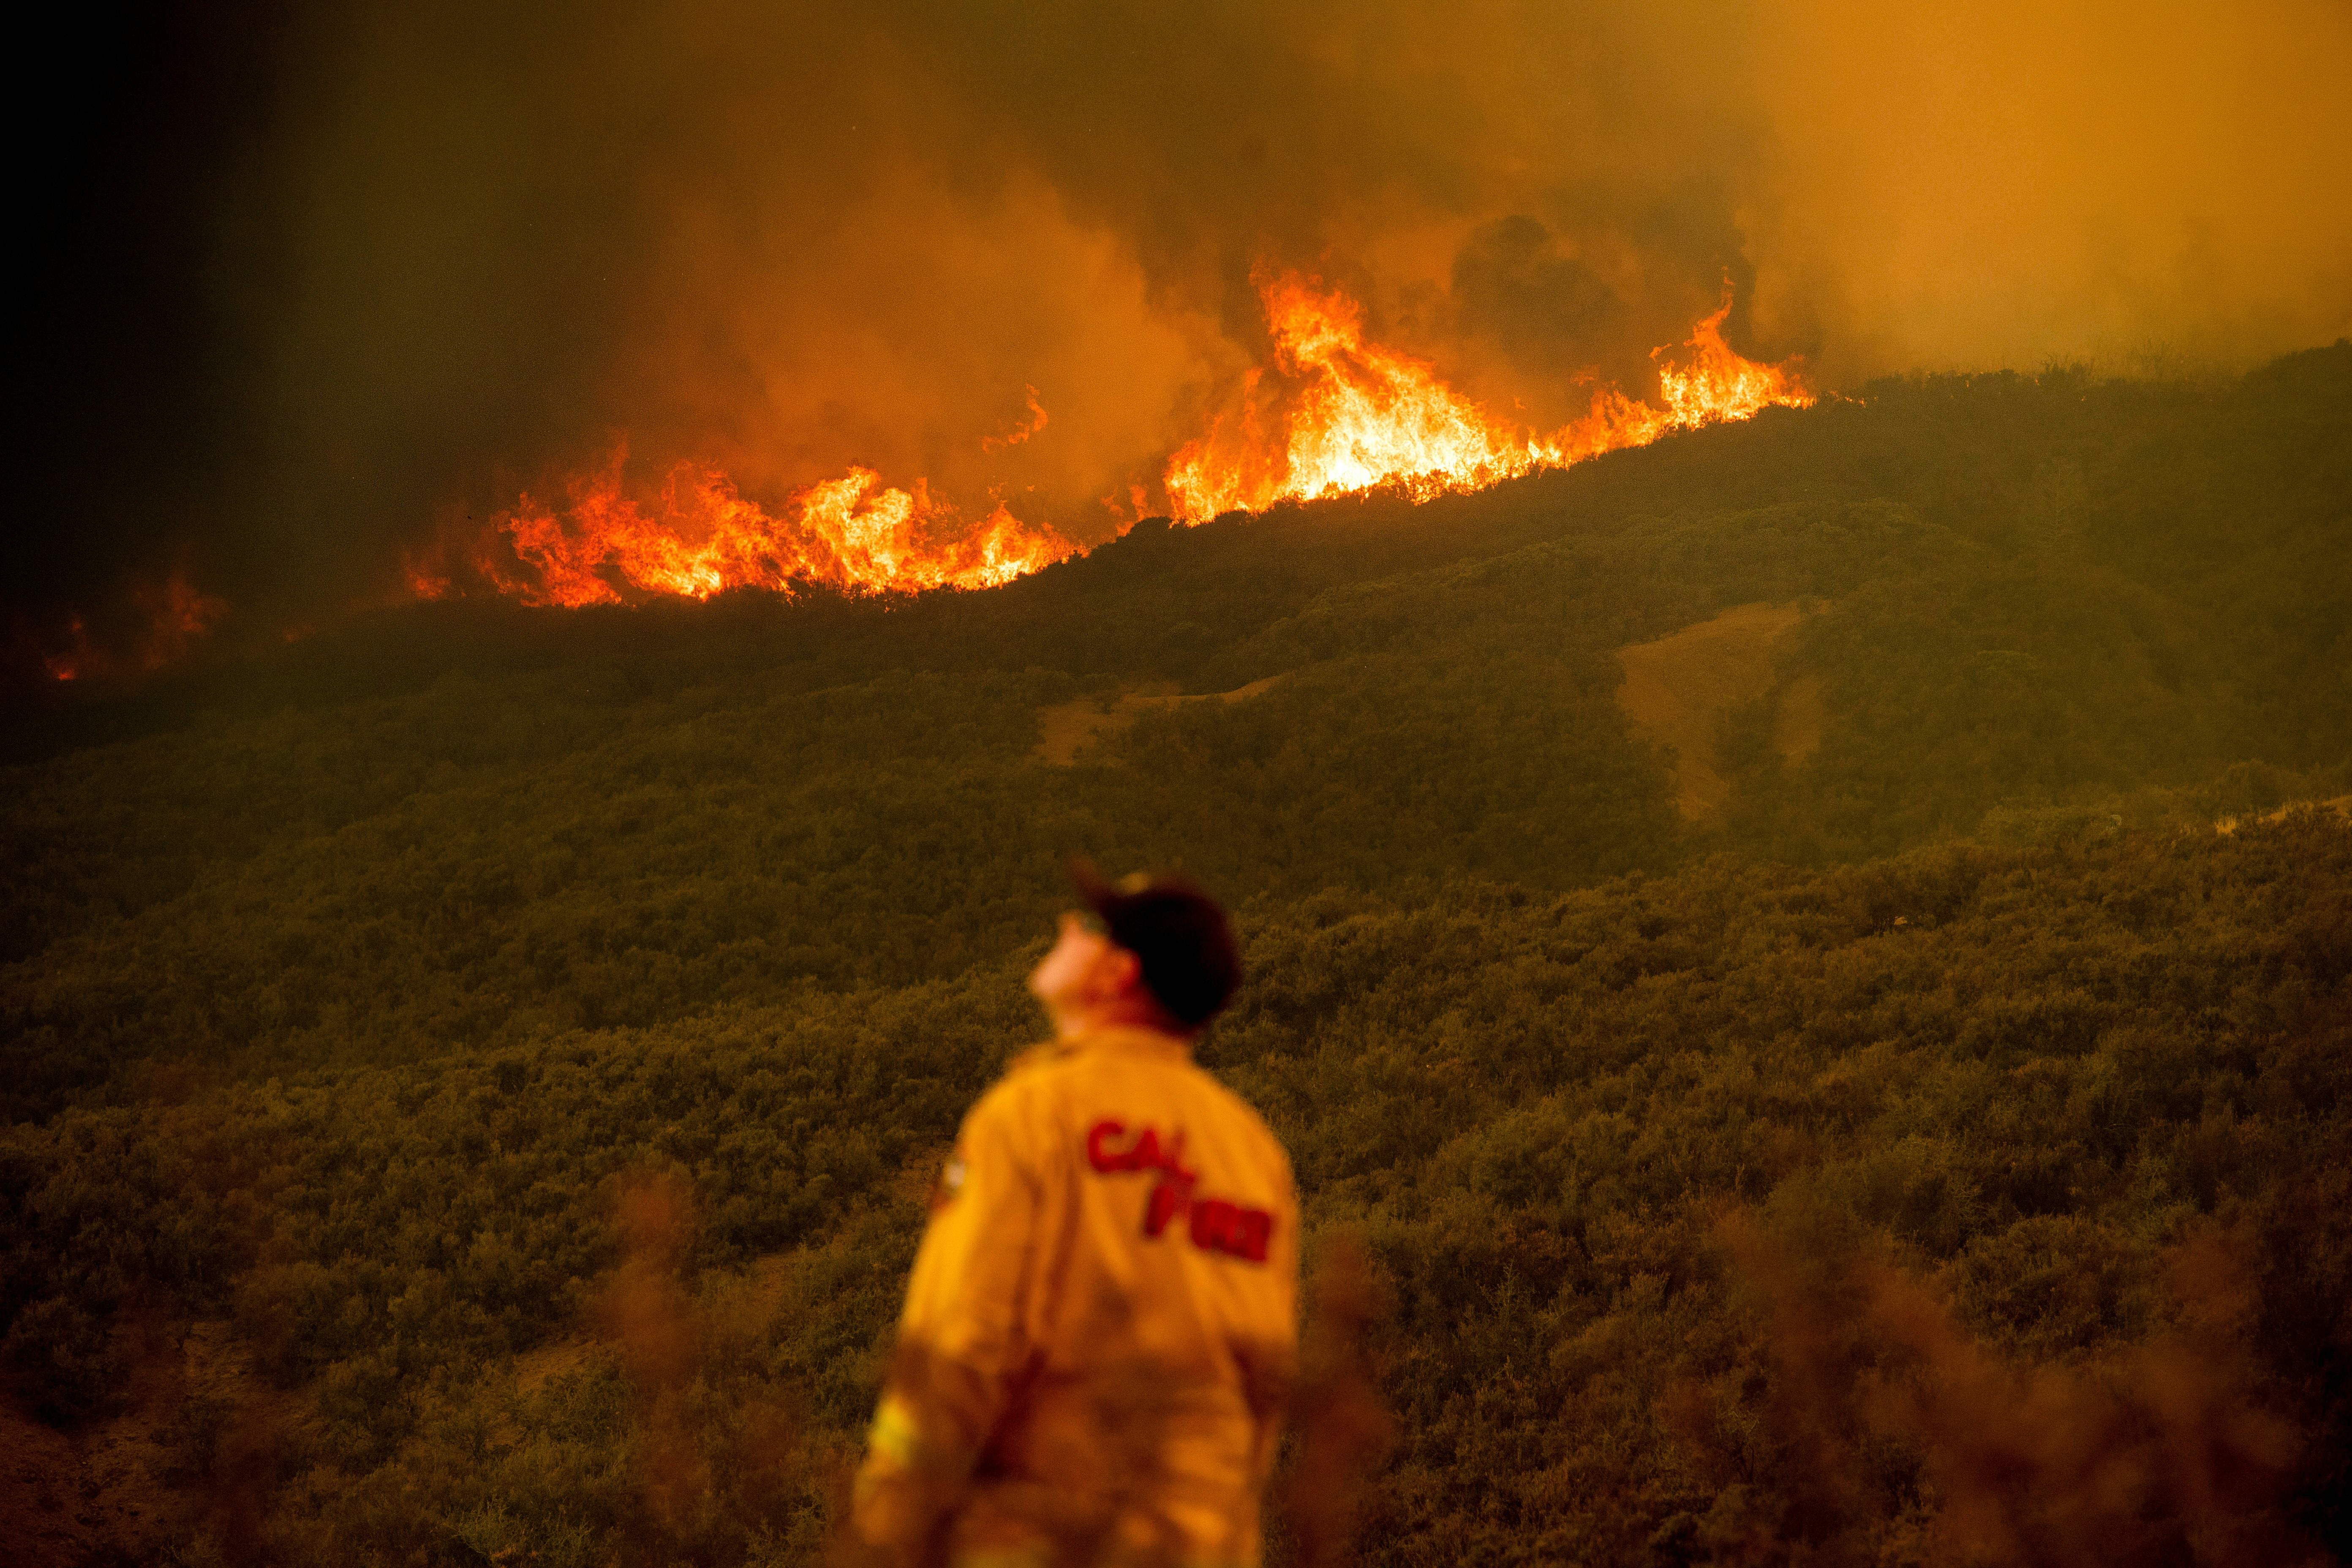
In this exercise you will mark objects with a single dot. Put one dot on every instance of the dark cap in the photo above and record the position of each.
(1177, 933)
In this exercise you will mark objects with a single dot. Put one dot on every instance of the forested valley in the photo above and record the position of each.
(472, 1075)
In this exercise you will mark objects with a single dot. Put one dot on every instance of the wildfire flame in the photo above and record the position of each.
(1339, 414)
(1366, 416)
(699, 537)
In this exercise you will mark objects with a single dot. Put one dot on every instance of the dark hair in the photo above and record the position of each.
(1177, 932)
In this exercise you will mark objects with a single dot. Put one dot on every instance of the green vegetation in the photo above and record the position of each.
(341, 1009)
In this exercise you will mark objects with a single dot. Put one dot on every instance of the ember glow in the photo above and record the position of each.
(697, 536)
(73, 661)
(166, 621)
(1344, 415)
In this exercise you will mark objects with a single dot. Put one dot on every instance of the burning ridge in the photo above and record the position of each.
(699, 537)
(1334, 414)
(1365, 415)
(1338, 415)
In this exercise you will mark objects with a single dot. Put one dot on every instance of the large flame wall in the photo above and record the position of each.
(1360, 416)
(1334, 414)
(698, 537)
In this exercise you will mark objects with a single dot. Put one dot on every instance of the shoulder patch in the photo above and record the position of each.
(950, 1180)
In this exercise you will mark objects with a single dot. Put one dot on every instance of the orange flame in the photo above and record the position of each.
(1368, 415)
(1340, 414)
(699, 537)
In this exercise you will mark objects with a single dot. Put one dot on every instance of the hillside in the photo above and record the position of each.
(1591, 903)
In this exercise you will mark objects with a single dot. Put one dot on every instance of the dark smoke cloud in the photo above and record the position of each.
(318, 279)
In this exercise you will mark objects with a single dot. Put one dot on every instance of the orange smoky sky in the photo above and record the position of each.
(422, 256)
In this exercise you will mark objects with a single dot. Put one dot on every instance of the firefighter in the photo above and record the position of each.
(1101, 1324)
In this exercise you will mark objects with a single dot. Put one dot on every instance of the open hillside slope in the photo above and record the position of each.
(346, 994)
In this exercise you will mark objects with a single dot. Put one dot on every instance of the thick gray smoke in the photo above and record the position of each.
(460, 249)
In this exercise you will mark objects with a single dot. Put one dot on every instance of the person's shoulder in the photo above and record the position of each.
(1243, 1115)
(1025, 1078)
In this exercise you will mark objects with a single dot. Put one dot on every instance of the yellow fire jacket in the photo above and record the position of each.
(1101, 1324)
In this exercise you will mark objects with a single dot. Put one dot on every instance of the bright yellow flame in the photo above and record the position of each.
(701, 538)
(1342, 414)
(1368, 415)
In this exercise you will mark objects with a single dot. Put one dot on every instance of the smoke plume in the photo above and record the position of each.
(320, 281)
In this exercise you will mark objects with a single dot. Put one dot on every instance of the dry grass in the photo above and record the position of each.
(1067, 729)
(1678, 688)
(2341, 807)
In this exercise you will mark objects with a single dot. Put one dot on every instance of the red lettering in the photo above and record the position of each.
(1256, 1228)
(1168, 1200)
(1145, 1154)
(1174, 1164)
(1100, 1157)
(1212, 1225)
(1222, 1225)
